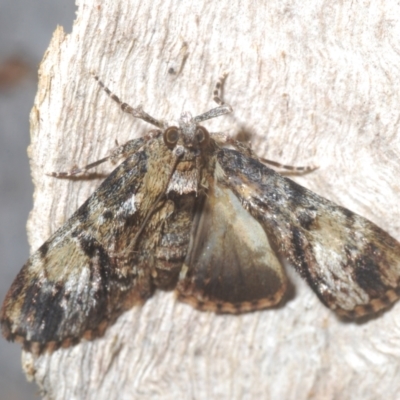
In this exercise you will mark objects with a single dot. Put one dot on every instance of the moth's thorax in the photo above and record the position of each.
(186, 178)
(192, 149)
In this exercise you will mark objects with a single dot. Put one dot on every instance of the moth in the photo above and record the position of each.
(189, 211)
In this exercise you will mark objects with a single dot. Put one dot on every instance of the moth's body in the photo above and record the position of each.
(185, 211)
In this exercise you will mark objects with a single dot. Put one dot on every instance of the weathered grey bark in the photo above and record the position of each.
(313, 83)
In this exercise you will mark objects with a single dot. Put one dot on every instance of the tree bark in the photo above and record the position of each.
(313, 83)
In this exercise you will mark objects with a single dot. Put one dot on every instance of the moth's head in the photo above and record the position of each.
(188, 139)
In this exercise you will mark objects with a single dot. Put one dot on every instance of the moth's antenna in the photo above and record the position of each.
(217, 97)
(217, 93)
(136, 112)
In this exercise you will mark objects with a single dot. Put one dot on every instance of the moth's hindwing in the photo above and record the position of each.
(351, 264)
(86, 274)
(230, 265)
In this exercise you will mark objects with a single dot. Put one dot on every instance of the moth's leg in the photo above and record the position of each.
(132, 146)
(217, 97)
(289, 169)
(123, 151)
(136, 112)
(77, 170)
(224, 139)
(114, 155)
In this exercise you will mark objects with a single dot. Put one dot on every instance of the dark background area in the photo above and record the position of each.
(26, 29)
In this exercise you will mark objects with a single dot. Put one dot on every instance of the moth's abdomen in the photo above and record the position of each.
(173, 242)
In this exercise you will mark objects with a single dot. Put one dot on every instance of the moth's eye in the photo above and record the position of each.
(171, 136)
(202, 136)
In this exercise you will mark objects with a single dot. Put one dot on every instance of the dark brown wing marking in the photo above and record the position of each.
(351, 264)
(230, 266)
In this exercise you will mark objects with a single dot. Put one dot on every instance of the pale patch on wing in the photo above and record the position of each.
(79, 283)
(357, 265)
(331, 258)
(230, 266)
(127, 208)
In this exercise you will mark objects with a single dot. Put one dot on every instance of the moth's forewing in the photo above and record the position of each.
(351, 264)
(86, 274)
(230, 266)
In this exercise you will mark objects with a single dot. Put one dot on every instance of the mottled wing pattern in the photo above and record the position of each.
(230, 266)
(85, 275)
(351, 264)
